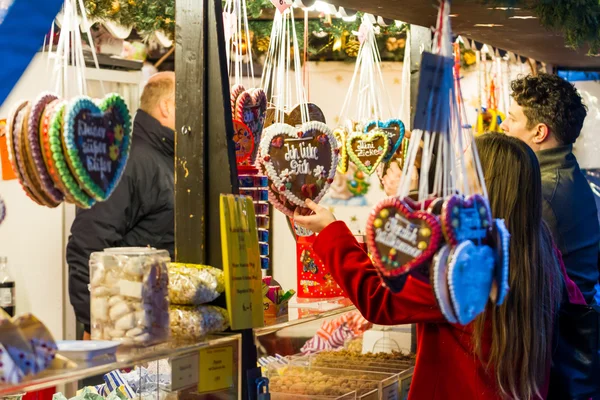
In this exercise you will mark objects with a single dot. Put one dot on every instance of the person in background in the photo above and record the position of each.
(548, 113)
(140, 211)
(506, 351)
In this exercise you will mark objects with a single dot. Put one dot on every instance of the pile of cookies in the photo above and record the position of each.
(69, 151)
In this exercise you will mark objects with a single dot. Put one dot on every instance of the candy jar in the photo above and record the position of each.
(130, 295)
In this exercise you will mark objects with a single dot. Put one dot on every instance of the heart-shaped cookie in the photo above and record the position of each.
(282, 5)
(470, 275)
(501, 244)
(341, 135)
(250, 108)
(301, 163)
(96, 141)
(439, 281)
(367, 150)
(394, 129)
(66, 179)
(13, 130)
(400, 239)
(466, 219)
(34, 145)
(244, 142)
(294, 117)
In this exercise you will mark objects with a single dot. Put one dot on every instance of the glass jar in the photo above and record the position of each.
(129, 292)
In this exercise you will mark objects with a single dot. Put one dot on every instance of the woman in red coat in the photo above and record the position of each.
(505, 352)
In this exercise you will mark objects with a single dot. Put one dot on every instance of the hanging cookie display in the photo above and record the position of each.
(367, 150)
(298, 152)
(448, 202)
(394, 130)
(300, 163)
(401, 239)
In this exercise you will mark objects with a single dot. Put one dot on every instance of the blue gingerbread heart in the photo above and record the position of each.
(470, 276)
(394, 129)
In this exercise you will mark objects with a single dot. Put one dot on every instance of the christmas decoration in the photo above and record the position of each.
(359, 185)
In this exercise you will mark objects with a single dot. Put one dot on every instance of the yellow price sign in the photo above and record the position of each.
(241, 262)
(215, 369)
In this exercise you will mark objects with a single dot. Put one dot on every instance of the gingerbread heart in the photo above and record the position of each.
(250, 108)
(279, 201)
(501, 244)
(96, 141)
(244, 142)
(400, 239)
(294, 117)
(64, 176)
(341, 135)
(236, 91)
(301, 163)
(394, 129)
(470, 275)
(466, 219)
(439, 281)
(282, 5)
(35, 147)
(367, 150)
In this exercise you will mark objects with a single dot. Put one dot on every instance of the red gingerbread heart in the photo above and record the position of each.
(401, 239)
(466, 219)
(250, 108)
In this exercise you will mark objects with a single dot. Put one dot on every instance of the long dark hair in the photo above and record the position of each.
(520, 351)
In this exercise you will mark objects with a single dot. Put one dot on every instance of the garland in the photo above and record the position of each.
(578, 21)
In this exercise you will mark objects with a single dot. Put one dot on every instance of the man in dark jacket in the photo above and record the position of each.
(140, 211)
(548, 113)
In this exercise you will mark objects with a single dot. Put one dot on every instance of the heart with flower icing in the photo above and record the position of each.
(96, 142)
(400, 239)
(300, 163)
(470, 275)
(466, 218)
(394, 129)
(367, 150)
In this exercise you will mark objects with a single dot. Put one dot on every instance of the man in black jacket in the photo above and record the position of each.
(548, 113)
(140, 211)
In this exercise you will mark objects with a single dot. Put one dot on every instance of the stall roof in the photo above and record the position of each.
(513, 30)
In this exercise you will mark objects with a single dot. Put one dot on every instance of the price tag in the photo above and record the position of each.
(282, 5)
(436, 85)
(215, 369)
(184, 371)
(241, 262)
(390, 392)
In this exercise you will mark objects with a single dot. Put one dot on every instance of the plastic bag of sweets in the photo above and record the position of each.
(193, 285)
(194, 322)
(129, 295)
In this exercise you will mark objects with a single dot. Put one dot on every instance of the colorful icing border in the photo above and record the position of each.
(33, 142)
(367, 137)
(439, 276)
(340, 135)
(429, 219)
(236, 90)
(80, 198)
(502, 269)
(450, 232)
(465, 279)
(47, 117)
(284, 129)
(72, 152)
(394, 147)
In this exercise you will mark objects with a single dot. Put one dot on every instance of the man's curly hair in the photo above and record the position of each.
(550, 100)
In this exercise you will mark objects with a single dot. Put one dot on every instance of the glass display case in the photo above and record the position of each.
(208, 369)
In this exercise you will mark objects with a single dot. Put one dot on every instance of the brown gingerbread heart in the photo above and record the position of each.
(294, 117)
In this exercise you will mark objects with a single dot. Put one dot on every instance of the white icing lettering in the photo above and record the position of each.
(298, 154)
(85, 130)
(400, 234)
(367, 149)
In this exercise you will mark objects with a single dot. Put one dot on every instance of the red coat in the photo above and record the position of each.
(447, 367)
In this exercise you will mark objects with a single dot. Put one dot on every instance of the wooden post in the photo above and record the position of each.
(420, 38)
(204, 148)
